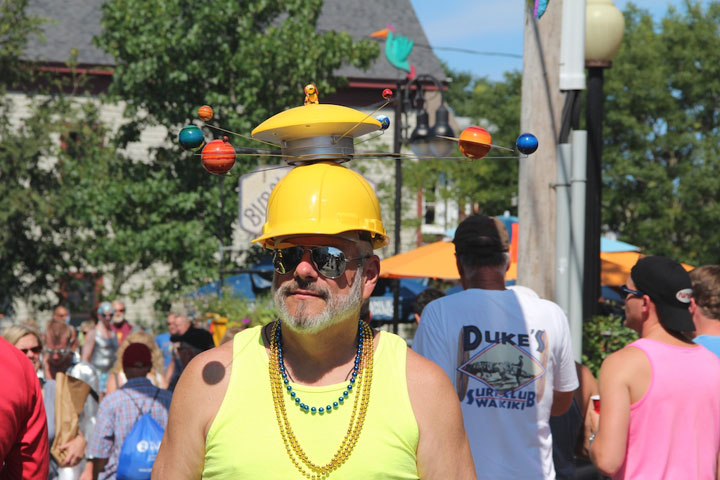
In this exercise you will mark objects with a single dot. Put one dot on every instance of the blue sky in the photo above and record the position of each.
(489, 26)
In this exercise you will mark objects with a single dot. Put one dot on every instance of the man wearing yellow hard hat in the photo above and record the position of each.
(317, 393)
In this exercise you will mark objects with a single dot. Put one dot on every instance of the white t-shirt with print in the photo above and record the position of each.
(505, 354)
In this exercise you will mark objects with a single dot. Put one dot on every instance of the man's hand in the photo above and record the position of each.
(74, 451)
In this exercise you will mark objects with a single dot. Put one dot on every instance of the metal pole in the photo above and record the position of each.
(220, 233)
(397, 147)
(577, 238)
(593, 214)
(562, 243)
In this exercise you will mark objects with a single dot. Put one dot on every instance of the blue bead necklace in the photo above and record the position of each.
(293, 395)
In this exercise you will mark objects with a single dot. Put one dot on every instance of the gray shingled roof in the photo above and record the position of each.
(76, 22)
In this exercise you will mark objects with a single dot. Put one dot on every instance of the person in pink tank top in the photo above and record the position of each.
(660, 395)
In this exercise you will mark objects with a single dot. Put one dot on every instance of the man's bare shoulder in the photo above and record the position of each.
(624, 362)
(204, 382)
(212, 367)
(422, 373)
(626, 354)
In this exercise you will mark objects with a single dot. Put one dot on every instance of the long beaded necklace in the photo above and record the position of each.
(360, 382)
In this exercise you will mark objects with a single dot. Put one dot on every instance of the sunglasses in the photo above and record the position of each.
(624, 289)
(35, 350)
(120, 310)
(60, 351)
(330, 262)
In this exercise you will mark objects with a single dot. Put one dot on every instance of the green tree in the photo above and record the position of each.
(661, 159)
(487, 184)
(72, 203)
(16, 27)
(248, 60)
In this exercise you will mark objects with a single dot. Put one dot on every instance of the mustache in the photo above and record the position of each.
(299, 284)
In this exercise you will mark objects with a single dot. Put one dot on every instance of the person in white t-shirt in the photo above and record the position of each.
(508, 355)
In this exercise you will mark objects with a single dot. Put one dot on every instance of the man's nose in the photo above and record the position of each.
(306, 267)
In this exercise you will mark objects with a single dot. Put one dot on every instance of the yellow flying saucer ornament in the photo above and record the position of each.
(316, 132)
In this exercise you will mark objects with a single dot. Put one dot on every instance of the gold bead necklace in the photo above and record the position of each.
(363, 382)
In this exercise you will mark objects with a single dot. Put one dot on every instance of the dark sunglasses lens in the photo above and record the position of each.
(286, 259)
(330, 261)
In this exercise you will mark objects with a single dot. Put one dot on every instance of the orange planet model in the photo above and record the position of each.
(205, 113)
(475, 142)
(218, 156)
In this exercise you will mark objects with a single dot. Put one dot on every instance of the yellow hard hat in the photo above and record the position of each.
(323, 198)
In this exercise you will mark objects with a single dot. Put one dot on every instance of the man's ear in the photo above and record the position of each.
(460, 271)
(693, 306)
(371, 273)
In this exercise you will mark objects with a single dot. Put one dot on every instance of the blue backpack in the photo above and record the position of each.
(140, 447)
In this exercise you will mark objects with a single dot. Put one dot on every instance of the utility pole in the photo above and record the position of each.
(541, 110)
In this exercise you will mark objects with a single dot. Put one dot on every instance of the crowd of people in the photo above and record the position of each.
(88, 374)
(490, 389)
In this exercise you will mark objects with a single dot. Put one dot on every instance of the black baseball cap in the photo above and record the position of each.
(668, 285)
(481, 235)
(195, 337)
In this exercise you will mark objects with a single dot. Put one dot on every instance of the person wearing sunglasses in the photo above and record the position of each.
(120, 325)
(101, 344)
(59, 357)
(28, 341)
(317, 393)
(24, 447)
(660, 395)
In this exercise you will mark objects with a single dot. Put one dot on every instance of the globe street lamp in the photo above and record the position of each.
(604, 30)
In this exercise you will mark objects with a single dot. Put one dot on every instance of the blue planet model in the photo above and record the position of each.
(384, 121)
(191, 138)
(527, 143)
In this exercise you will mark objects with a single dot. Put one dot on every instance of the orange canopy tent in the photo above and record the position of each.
(437, 260)
(615, 267)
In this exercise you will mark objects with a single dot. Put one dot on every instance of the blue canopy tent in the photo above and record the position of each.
(381, 301)
(247, 284)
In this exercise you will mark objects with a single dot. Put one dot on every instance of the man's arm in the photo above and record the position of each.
(98, 465)
(88, 346)
(607, 451)
(443, 450)
(561, 402)
(565, 375)
(170, 370)
(182, 450)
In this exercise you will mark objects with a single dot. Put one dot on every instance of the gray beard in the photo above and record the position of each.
(337, 309)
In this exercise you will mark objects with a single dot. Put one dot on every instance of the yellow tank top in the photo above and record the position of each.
(244, 440)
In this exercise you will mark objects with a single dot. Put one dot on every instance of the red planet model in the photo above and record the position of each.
(218, 156)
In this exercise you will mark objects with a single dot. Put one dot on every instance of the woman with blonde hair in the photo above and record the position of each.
(27, 340)
(117, 378)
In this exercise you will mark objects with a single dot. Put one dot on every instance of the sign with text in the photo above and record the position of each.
(254, 193)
